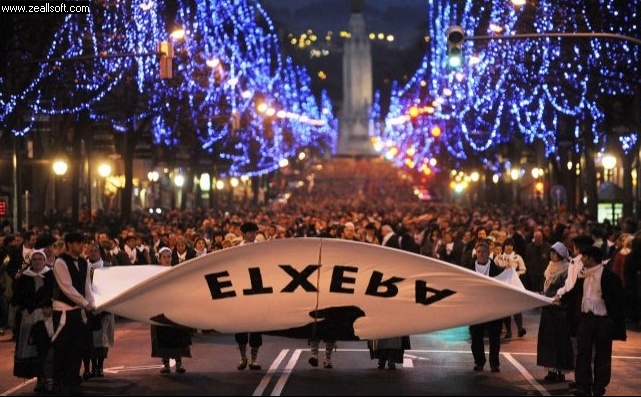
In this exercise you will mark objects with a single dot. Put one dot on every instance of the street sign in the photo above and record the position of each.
(558, 194)
(4, 205)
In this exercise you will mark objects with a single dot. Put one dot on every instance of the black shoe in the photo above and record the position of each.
(313, 361)
(253, 366)
(327, 364)
(522, 332)
(551, 377)
(560, 377)
(478, 367)
(508, 336)
(99, 372)
(391, 365)
(87, 375)
(381, 364)
(165, 370)
(180, 370)
(495, 368)
(578, 392)
(242, 364)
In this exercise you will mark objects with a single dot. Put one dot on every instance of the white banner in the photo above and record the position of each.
(293, 287)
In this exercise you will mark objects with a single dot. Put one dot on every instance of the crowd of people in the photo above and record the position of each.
(47, 271)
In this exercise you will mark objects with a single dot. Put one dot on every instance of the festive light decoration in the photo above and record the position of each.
(228, 65)
(516, 89)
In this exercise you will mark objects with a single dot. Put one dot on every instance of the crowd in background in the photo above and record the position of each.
(366, 206)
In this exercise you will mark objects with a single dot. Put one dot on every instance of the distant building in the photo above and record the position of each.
(354, 127)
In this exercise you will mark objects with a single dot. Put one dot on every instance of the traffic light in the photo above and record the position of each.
(455, 37)
(166, 52)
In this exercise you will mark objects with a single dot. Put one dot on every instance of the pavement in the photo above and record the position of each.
(439, 363)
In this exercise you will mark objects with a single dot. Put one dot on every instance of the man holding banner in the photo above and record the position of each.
(487, 267)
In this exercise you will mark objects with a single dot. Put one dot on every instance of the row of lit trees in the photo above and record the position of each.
(103, 66)
(546, 93)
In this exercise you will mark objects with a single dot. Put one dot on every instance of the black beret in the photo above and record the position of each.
(583, 240)
(248, 227)
(44, 241)
(74, 237)
(593, 252)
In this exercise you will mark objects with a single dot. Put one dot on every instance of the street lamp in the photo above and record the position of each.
(609, 162)
(153, 192)
(60, 167)
(104, 170)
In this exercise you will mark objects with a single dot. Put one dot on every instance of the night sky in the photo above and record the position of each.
(398, 17)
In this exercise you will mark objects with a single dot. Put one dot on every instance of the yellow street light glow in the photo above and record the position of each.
(414, 111)
(179, 180)
(436, 131)
(205, 182)
(475, 176)
(178, 33)
(213, 62)
(261, 107)
(496, 28)
(609, 161)
(153, 176)
(233, 182)
(60, 167)
(104, 170)
(220, 184)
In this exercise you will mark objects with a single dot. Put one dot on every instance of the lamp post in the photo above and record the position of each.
(515, 174)
(204, 183)
(60, 167)
(608, 162)
(179, 181)
(104, 170)
(154, 189)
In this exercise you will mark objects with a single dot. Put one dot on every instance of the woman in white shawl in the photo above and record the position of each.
(33, 290)
(554, 348)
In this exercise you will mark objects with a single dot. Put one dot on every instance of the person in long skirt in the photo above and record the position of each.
(169, 342)
(554, 347)
(388, 350)
(33, 291)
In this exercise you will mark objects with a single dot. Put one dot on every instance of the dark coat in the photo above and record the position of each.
(613, 296)
(454, 256)
(392, 242)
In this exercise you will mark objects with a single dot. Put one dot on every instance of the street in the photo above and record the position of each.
(439, 363)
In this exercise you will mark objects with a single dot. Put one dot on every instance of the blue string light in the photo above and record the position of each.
(517, 89)
(229, 65)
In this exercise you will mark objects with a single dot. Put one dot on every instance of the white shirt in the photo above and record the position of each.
(576, 265)
(63, 279)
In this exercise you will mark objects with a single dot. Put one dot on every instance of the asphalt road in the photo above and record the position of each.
(439, 363)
